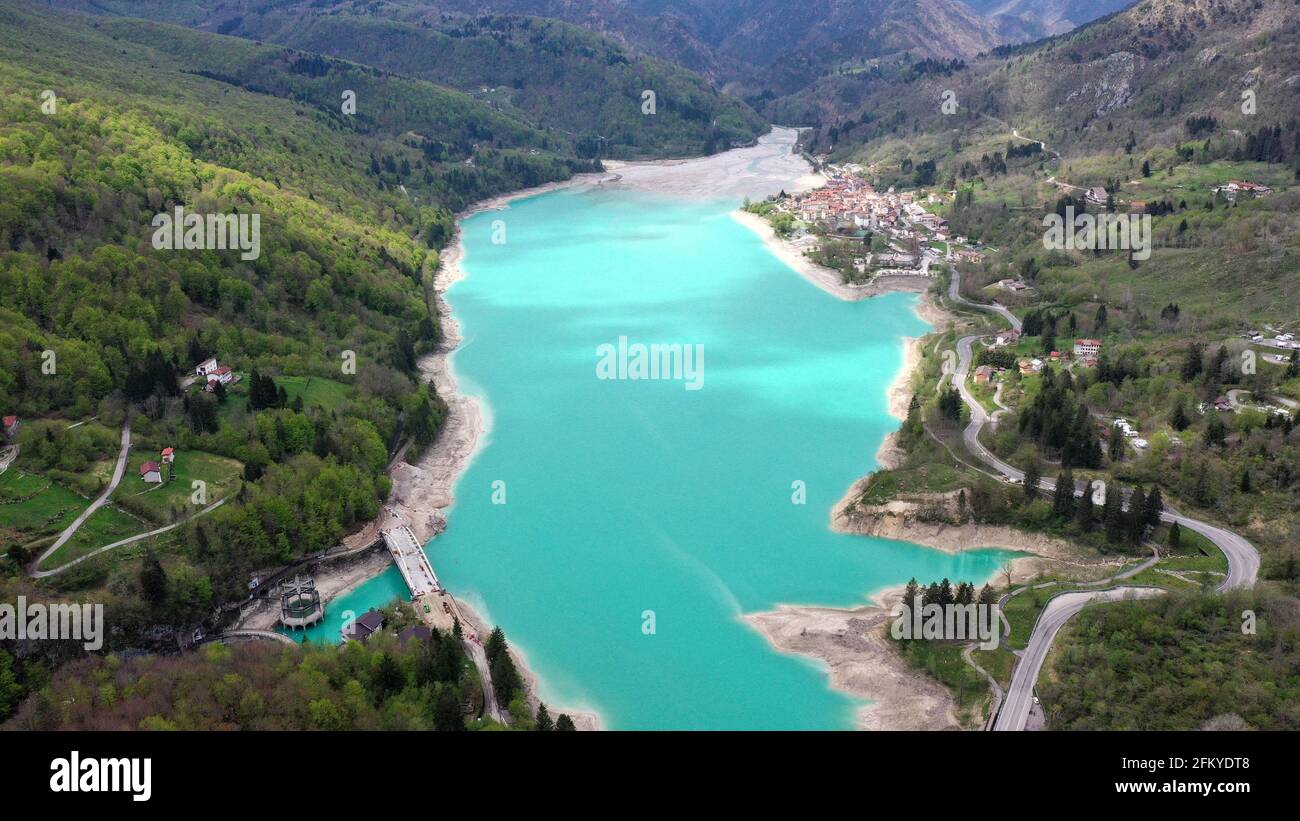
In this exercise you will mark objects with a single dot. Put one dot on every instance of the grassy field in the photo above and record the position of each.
(314, 390)
(943, 661)
(32, 506)
(105, 526)
(167, 502)
(925, 478)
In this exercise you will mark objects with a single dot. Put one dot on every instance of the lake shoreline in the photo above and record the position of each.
(850, 643)
(424, 492)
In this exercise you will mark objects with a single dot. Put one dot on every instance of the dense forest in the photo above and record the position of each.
(390, 682)
(1179, 662)
(105, 126)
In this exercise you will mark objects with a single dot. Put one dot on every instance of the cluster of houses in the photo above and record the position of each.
(1085, 351)
(215, 373)
(372, 622)
(1241, 188)
(151, 472)
(848, 203)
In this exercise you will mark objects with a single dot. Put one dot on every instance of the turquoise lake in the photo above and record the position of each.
(623, 497)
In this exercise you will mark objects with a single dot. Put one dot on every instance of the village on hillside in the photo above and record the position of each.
(848, 225)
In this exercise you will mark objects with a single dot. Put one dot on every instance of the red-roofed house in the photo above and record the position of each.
(11, 426)
(169, 454)
(222, 374)
(150, 472)
(1087, 348)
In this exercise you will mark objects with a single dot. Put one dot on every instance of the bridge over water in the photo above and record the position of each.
(411, 561)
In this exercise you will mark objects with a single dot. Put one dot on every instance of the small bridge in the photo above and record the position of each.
(411, 561)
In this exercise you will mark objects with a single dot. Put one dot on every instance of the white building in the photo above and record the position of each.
(1087, 348)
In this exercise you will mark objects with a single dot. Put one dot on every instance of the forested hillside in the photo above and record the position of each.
(584, 89)
(320, 328)
(408, 678)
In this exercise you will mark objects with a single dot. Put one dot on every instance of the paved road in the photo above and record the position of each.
(1020, 696)
(1243, 558)
(954, 293)
(98, 503)
(41, 574)
(269, 635)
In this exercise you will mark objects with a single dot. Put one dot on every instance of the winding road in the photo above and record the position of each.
(41, 574)
(1243, 558)
(71, 529)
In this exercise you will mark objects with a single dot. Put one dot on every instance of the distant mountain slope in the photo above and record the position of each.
(585, 87)
(1142, 71)
(737, 41)
(1039, 18)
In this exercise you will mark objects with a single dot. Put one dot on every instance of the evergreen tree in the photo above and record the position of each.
(505, 678)
(153, 580)
(914, 427)
(1083, 511)
(1175, 538)
(1112, 514)
(965, 593)
(1155, 506)
(1216, 433)
(1193, 363)
(910, 593)
(945, 593)
(388, 680)
(544, 723)
(1135, 522)
(950, 404)
(1178, 416)
(447, 715)
(1033, 474)
(564, 724)
(496, 644)
(1116, 448)
(931, 594)
(1063, 498)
